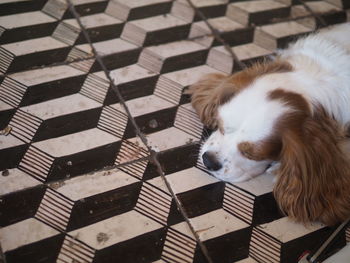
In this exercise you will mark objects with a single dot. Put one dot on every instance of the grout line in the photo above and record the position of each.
(217, 36)
(214, 33)
(153, 154)
(153, 158)
(317, 16)
(106, 71)
(182, 209)
(62, 63)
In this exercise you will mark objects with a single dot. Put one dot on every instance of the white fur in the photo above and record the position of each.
(321, 73)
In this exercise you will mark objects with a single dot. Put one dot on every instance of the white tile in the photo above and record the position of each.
(204, 3)
(76, 142)
(139, 3)
(86, 48)
(189, 179)
(175, 48)
(147, 104)
(258, 6)
(216, 223)
(159, 182)
(113, 46)
(16, 180)
(189, 76)
(9, 141)
(4, 106)
(25, 19)
(159, 261)
(130, 73)
(222, 24)
(183, 228)
(247, 260)
(116, 229)
(259, 185)
(158, 22)
(285, 29)
(159, 141)
(250, 51)
(47, 74)
(322, 7)
(13, 1)
(95, 20)
(144, 105)
(92, 184)
(153, 57)
(23, 233)
(61, 106)
(34, 45)
(82, 2)
(318, 7)
(101, 74)
(285, 229)
(341, 256)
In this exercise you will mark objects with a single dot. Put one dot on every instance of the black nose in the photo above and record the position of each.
(211, 162)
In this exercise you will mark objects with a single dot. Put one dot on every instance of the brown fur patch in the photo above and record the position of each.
(268, 149)
(214, 90)
(244, 78)
(314, 176)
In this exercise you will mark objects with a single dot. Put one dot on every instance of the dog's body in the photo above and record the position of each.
(293, 111)
(323, 62)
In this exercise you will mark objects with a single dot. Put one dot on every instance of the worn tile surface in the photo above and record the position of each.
(78, 184)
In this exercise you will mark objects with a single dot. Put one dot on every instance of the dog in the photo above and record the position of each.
(291, 113)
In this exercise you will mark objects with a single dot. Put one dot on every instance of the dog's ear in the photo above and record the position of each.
(208, 94)
(314, 177)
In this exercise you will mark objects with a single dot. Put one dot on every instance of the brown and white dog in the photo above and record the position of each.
(291, 113)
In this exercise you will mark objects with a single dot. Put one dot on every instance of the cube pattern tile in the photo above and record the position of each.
(81, 80)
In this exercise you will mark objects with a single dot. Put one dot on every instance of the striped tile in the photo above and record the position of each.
(113, 121)
(239, 203)
(66, 33)
(55, 209)
(95, 88)
(154, 203)
(55, 8)
(178, 247)
(187, 120)
(73, 250)
(264, 248)
(12, 91)
(24, 125)
(36, 163)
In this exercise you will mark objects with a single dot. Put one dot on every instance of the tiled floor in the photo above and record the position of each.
(90, 84)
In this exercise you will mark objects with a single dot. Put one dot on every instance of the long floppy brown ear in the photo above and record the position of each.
(204, 97)
(314, 178)
(208, 94)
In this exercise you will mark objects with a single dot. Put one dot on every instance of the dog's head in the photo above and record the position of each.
(258, 122)
(244, 143)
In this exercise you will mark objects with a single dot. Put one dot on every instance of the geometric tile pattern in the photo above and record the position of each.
(89, 174)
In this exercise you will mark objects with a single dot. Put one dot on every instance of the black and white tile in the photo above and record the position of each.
(81, 183)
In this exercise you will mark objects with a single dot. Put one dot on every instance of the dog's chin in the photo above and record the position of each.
(230, 178)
